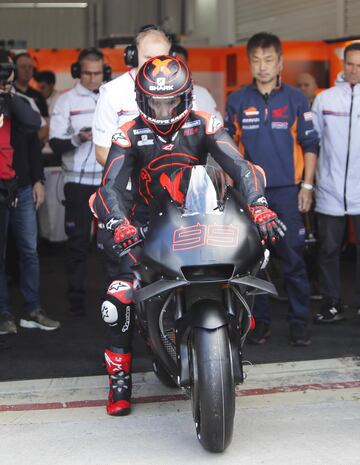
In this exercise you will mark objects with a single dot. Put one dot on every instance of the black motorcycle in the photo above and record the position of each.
(193, 293)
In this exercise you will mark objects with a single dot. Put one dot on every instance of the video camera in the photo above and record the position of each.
(5, 72)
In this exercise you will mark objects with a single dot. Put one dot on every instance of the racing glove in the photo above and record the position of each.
(125, 234)
(271, 228)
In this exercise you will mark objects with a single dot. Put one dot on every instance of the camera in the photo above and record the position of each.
(5, 72)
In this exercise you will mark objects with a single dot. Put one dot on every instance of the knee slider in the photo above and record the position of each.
(116, 308)
(109, 313)
(121, 291)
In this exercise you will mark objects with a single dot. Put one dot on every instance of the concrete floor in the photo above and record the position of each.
(294, 413)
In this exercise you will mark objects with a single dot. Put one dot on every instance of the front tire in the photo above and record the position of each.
(212, 387)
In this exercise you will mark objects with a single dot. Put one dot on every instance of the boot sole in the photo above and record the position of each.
(34, 325)
(121, 413)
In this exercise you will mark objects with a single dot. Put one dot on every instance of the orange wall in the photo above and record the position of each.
(299, 56)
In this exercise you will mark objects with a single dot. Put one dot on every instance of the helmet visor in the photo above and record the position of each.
(163, 110)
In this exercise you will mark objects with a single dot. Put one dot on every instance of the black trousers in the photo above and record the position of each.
(331, 231)
(78, 220)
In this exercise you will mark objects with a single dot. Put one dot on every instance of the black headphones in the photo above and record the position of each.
(76, 67)
(131, 52)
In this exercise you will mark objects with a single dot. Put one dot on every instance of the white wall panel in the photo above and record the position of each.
(45, 27)
(124, 17)
(289, 19)
(352, 17)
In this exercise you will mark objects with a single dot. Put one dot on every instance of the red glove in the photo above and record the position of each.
(126, 234)
(270, 227)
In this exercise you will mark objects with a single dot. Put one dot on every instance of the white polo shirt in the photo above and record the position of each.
(204, 101)
(116, 106)
(73, 111)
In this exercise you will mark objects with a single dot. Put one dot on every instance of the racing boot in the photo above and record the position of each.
(118, 366)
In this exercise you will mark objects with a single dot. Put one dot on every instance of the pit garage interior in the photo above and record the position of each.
(53, 386)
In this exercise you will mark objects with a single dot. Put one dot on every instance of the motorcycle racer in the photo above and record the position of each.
(166, 136)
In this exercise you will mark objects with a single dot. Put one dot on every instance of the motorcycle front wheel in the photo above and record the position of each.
(212, 387)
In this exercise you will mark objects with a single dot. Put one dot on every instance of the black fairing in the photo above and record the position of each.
(162, 256)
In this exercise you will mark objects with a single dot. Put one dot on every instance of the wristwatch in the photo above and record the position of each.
(307, 186)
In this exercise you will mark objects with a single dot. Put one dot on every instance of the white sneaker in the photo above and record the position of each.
(38, 320)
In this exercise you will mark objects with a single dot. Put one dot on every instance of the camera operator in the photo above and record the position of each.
(21, 194)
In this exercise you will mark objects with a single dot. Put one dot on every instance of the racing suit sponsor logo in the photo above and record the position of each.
(279, 125)
(251, 111)
(190, 131)
(191, 124)
(119, 138)
(308, 116)
(145, 141)
(127, 319)
(138, 132)
(168, 147)
(261, 201)
(213, 125)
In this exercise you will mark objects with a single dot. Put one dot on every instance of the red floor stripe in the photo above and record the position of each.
(176, 397)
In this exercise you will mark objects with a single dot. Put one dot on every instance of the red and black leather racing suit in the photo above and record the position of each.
(148, 160)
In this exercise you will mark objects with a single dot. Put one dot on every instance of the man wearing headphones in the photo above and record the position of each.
(71, 137)
(117, 103)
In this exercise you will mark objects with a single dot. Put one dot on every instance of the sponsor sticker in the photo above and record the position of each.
(251, 120)
(251, 126)
(191, 124)
(120, 139)
(280, 112)
(138, 132)
(190, 131)
(145, 141)
(279, 125)
(251, 111)
(213, 125)
(308, 116)
(161, 85)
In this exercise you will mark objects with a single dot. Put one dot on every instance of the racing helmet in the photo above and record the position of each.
(163, 89)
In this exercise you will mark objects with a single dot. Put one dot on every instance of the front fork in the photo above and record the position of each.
(185, 321)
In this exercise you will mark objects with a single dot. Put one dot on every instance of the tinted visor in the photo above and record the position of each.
(165, 110)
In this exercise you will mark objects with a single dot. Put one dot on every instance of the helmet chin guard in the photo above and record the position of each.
(163, 88)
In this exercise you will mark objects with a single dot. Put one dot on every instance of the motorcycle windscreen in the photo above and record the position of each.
(198, 189)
